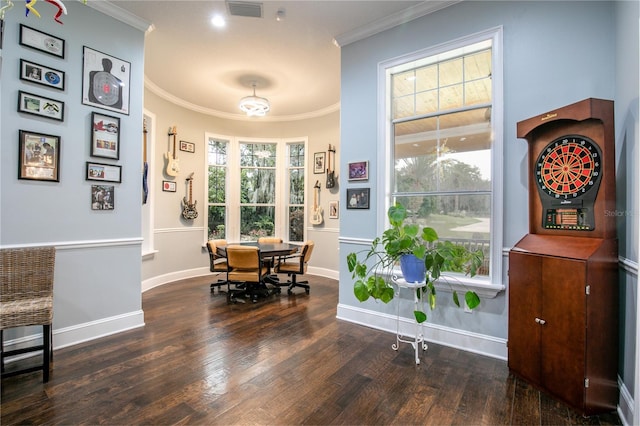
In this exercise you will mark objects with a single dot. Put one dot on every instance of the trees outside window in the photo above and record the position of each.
(442, 138)
(255, 188)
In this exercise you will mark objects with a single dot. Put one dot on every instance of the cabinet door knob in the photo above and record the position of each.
(542, 322)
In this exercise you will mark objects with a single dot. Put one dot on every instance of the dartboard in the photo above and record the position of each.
(568, 167)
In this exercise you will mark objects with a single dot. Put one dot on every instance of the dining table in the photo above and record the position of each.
(268, 251)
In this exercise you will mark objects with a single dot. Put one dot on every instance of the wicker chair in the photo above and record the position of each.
(26, 299)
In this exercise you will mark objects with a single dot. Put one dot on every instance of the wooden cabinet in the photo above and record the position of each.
(563, 318)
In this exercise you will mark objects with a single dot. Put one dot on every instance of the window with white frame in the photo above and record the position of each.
(217, 188)
(443, 138)
(295, 181)
(255, 188)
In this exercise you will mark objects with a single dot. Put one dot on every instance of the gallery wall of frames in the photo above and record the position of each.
(105, 87)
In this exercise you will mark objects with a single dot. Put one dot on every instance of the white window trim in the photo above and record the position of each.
(233, 182)
(492, 285)
(148, 209)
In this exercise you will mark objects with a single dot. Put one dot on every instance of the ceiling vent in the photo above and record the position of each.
(245, 8)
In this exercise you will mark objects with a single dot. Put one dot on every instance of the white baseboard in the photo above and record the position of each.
(323, 272)
(175, 276)
(201, 272)
(80, 333)
(460, 339)
(625, 404)
(76, 334)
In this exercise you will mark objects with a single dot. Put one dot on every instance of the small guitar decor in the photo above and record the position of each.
(189, 211)
(331, 178)
(145, 165)
(316, 215)
(173, 166)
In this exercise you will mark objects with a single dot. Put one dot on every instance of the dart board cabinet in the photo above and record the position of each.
(563, 275)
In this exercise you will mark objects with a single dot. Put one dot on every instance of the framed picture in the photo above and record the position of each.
(359, 170)
(102, 197)
(104, 172)
(187, 146)
(318, 162)
(41, 74)
(168, 186)
(41, 41)
(105, 136)
(39, 105)
(105, 81)
(358, 198)
(39, 156)
(333, 209)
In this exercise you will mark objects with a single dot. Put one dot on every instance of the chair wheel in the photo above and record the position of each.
(306, 290)
(289, 292)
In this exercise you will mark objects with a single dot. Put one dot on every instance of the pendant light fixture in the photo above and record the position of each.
(254, 105)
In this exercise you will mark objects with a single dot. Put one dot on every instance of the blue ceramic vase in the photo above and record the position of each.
(413, 268)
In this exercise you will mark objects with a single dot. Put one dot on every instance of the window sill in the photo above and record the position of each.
(149, 254)
(461, 283)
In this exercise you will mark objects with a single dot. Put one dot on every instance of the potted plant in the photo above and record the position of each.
(374, 270)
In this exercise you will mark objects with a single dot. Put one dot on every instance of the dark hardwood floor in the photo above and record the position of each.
(283, 361)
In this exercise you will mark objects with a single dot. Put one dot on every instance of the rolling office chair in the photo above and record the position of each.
(295, 265)
(26, 299)
(270, 262)
(247, 270)
(217, 263)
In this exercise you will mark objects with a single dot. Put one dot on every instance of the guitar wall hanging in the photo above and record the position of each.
(173, 166)
(331, 178)
(145, 165)
(189, 211)
(316, 214)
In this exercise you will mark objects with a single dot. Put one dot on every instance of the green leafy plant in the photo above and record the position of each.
(372, 268)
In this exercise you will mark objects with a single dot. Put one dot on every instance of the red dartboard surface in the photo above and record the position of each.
(568, 167)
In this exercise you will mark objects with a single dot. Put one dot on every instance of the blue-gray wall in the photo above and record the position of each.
(97, 279)
(555, 53)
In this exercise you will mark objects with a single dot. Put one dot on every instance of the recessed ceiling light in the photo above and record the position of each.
(218, 21)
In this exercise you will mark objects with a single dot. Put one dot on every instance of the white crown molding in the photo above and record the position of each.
(151, 86)
(121, 15)
(392, 20)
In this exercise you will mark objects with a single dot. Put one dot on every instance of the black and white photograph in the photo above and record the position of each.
(102, 197)
(105, 81)
(333, 209)
(41, 74)
(318, 162)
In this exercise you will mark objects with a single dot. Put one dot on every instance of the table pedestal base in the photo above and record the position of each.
(417, 340)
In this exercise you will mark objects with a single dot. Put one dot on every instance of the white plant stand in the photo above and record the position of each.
(417, 340)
